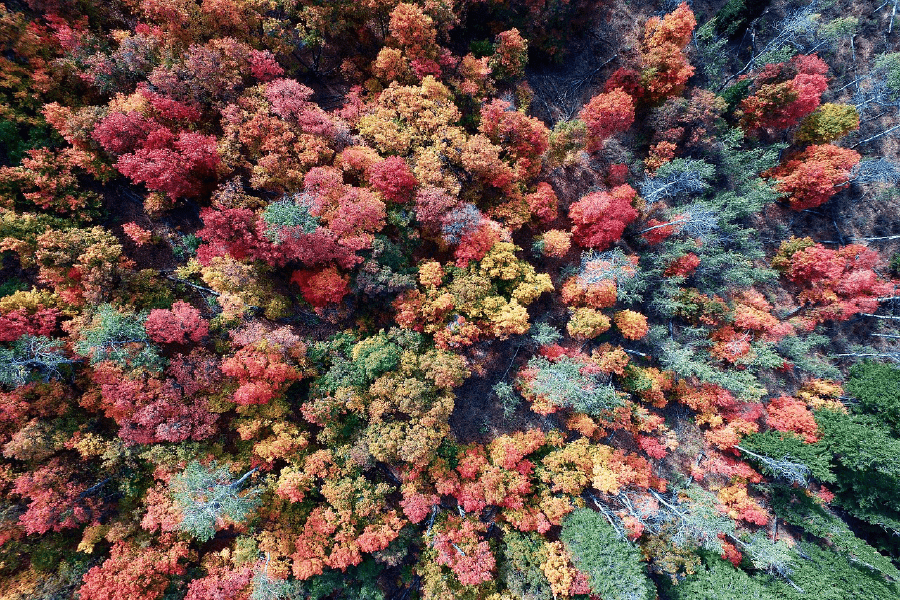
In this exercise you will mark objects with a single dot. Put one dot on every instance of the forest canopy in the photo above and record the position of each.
(449, 300)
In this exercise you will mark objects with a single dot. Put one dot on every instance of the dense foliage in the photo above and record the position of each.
(370, 300)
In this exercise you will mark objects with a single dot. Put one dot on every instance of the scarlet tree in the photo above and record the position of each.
(600, 218)
(605, 115)
(180, 325)
(815, 175)
(784, 93)
(133, 573)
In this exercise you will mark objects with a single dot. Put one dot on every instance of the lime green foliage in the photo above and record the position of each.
(357, 364)
(524, 553)
(828, 123)
(611, 563)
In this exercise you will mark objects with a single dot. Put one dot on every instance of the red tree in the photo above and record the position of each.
(459, 547)
(605, 115)
(393, 179)
(815, 175)
(321, 288)
(600, 218)
(524, 139)
(133, 573)
(836, 283)
(56, 502)
(785, 93)
(543, 203)
(788, 414)
(151, 410)
(180, 325)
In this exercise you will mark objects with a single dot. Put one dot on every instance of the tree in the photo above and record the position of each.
(788, 414)
(50, 181)
(633, 325)
(600, 218)
(718, 580)
(836, 284)
(150, 409)
(510, 55)
(208, 496)
(222, 584)
(605, 115)
(32, 358)
(665, 67)
(828, 123)
(415, 32)
(180, 325)
(565, 382)
(150, 153)
(393, 179)
(543, 203)
(459, 547)
(784, 93)
(692, 124)
(587, 323)
(119, 337)
(321, 288)
(521, 568)
(867, 480)
(265, 364)
(612, 564)
(57, 500)
(81, 265)
(134, 573)
(675, 179)
(554, 243)
(877, 387)
(289, 217)
(815, 175)
(564, 577)
(524, 139)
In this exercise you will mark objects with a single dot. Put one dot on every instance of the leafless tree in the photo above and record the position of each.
(611, 265)
(877, 170)
(784, 468)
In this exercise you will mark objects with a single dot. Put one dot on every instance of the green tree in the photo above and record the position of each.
(32, 358)
(120, 337)
(877, 387)
(611, 563)
(719, 580)
(867, 482)
(521, 569)
(207, 496)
